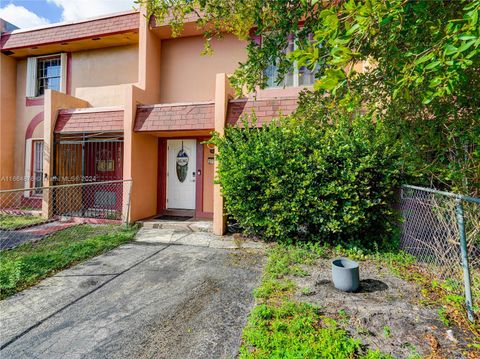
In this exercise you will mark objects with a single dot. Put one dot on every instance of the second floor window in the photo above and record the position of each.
(45, 72)
(49, 74)
(297, 76)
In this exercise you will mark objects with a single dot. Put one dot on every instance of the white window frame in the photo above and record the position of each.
(32, 83)
(30, 166)
(296, 72)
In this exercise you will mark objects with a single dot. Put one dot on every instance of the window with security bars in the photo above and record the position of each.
(37, 165)
(49, 73)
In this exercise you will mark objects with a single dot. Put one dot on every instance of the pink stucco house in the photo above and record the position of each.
(130, 101)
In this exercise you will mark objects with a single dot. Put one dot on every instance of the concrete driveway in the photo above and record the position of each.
(170, 294)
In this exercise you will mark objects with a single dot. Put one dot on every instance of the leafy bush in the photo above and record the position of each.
(331, 181)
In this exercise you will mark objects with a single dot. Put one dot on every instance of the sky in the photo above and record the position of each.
(32, 13)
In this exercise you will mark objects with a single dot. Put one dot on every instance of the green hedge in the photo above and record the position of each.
(293, 179)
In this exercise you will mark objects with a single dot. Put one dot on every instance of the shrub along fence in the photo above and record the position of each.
(62, 212)
(442, 230)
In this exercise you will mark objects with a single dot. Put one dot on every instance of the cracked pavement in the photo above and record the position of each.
(169, 294)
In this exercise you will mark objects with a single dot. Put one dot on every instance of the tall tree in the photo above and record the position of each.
(420, 64)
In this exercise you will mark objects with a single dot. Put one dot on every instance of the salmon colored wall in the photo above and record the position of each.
(7, 119)
(105, 67)
(38, 132)
(140, 159)
(187, 76)
(102, 95)
(223, 92)
(144, 175)
(24, 115)
(149, 57)
(99, 76)
(208, 176)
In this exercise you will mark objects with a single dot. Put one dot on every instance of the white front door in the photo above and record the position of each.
(181, 173)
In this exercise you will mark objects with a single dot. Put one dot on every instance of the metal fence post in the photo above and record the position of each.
(128, 202)
(464, 253)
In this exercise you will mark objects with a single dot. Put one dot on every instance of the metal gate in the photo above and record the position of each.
(89, 157)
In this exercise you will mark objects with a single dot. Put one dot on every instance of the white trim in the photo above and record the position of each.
(31, 87)
(295, 66)
(63, 72)
(91, 109)
(31, 79)
(175, 104)
(28, 165)
(257, 98)
(295, 74)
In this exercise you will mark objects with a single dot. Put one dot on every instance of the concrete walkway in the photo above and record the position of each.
(169, 294)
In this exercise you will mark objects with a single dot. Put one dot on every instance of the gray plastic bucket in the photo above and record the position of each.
(345, 274)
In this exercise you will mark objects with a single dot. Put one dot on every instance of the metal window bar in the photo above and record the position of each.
(38, 166)
(443, 229)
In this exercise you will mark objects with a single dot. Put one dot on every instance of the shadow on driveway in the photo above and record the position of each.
(141, 300)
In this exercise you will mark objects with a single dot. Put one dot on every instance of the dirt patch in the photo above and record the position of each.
(385, 313)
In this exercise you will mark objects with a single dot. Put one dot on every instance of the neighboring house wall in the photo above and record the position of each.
(27, 117)
(98, 76)
(7, 119)
(187, 76)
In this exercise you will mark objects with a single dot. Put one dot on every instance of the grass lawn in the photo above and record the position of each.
(283, 326)
(9, 221)
(27, 264)
(280, 327)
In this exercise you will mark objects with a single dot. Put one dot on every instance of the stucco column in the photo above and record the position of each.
(223, 92)
(140, 151)
(140, 161)
(8, 119)
(53, 101)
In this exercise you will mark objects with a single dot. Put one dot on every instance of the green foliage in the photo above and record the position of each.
(419, 60)
(25, 265)
(279, 327)
(295, 330)
(443, 317)
(295, 179)
(307, 291)
(8, 221)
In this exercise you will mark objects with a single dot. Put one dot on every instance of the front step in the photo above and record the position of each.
(197, 239)
(190, 225)
(179, 212)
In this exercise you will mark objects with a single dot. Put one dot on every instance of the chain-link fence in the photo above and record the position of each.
(62, 212)
(442, 230)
